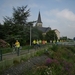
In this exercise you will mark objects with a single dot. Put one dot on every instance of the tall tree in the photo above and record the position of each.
(20, 15)
(17, 27)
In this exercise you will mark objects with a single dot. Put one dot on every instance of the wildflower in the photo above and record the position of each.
(48, 61)
(48, 71)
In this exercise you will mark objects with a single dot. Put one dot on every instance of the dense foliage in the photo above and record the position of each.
(36, 34)
(51, 35)
(16, 27)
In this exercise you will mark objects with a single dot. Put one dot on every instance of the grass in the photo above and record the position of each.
(27, 47)
(5, 64)
(61, 61)
(6, 50)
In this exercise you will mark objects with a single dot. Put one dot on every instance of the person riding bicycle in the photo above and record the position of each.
(17, 46)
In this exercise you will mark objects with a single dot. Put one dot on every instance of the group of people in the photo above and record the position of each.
(17, 43)
(38, 42)
(35, 42)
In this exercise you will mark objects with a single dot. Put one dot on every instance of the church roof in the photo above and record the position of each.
(44, 29)
(39, 18)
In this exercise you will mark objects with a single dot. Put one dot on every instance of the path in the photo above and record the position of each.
(22, 52)
(14, 54)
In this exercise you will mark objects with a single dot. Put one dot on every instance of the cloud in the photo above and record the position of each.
(65, 17)
(63, 20)
(64, 14)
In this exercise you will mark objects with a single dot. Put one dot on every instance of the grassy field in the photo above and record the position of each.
(60, 61)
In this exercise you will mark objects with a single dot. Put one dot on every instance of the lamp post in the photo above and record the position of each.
(54, 37)
(30, 35)
(31, 24)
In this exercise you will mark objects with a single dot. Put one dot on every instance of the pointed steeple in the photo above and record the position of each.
(39, 18)
(39, 22)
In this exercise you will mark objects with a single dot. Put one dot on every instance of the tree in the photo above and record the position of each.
(64, 38)
(36, 34)
(17, 27)
(20, 15)
(2, 34)
(51, 35)
(74, 38)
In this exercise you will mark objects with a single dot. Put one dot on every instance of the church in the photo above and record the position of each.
(39, 25)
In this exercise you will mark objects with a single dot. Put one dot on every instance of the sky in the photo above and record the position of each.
(57, 14)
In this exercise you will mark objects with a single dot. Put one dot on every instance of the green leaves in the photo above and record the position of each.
(17, 27)
(51, 35)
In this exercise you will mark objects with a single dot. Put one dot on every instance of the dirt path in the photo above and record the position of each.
(22, 52)
(14, 54)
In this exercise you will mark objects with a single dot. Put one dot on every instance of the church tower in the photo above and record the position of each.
(39, 22)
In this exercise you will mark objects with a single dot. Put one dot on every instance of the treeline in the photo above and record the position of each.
(17, 27)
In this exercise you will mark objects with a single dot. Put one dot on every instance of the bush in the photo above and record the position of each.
(3, 44)
(71, 48)
(6, 50)
(54, 47)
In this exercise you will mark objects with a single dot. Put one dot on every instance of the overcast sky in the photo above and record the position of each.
(57, 14)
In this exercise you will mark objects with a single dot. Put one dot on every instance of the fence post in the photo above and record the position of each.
(0, 55)
(18, 51)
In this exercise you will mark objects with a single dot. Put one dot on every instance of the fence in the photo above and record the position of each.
(0, 55)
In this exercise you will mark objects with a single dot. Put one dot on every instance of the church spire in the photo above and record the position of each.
(39, 18)
(39, 22)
